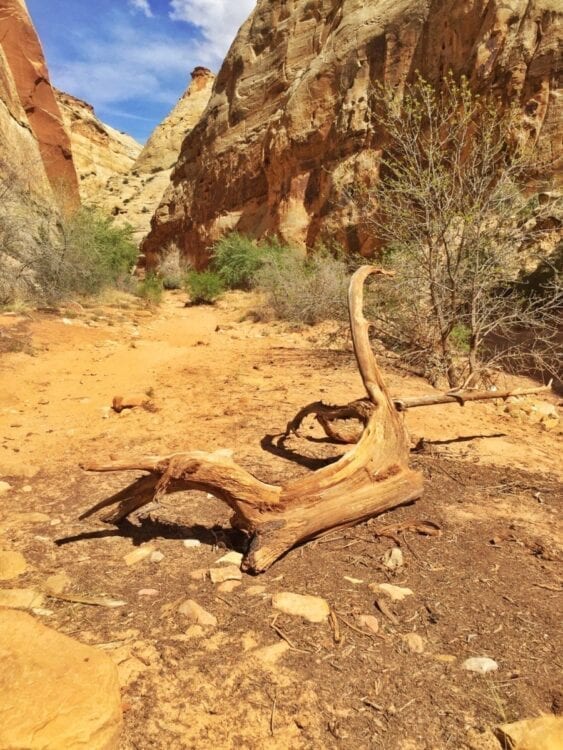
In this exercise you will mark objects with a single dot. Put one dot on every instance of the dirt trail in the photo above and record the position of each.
(489, 585)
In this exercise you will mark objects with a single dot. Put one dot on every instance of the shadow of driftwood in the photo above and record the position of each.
(276, 444)
(150, 528)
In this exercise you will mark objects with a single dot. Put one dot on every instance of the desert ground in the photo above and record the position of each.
(481, 550)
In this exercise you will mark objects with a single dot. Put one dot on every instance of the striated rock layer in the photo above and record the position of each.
(289, 123)
(34, 145)
(99, 151)
(119, 175)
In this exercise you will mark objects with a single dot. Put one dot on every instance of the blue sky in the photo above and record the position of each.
(131, 59)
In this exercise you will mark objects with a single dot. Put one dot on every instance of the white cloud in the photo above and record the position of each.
(143, 6)
(218, 20)
(122, 67)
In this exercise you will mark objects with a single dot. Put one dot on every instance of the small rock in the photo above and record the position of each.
(480, 664)
(20, 598)
(139, 554)
(131, 401)
(393, 559)
(370, 622)
(156, 557)
(12, 565)
(270, 654)
(415, 642)
(231, 558)
(311, 608)
(5, 487)
(199, 575)
(228, 586)
(396, 593)
(148, 592)
(228, 573)
(56, 584)
(355, 581)
(255, 590)
(197, 614)
(27, 488)
(190, 543)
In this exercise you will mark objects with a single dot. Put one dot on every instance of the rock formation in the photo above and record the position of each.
(99, 151)
(163, 147)
(132, 197)
(55, 693)
(33, 142)
(290, 124)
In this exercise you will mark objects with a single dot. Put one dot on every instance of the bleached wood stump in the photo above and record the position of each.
(372, 477)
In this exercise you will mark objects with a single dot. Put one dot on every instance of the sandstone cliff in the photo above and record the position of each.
(132, 197)
(33, 142)
(289, 123)
(162, 149)
(99, 151)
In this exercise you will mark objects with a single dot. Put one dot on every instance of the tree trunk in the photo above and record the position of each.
(372, 477)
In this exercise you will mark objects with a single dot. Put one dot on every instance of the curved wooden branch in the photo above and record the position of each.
(370, 478)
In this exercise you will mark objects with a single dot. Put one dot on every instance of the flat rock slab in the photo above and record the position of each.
(12, 565)
(541, 733)
(311, 608)
(55, 693)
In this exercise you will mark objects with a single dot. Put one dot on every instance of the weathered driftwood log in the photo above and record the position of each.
(335, 420)
(372, 477)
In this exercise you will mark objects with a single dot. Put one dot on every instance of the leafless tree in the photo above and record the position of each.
(459, 214)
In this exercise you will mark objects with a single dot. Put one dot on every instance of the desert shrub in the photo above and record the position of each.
(452, 209)
(237, 259)
(172, 269)
(47, 256)
(305, 289)
(150, 289)
(204, 287)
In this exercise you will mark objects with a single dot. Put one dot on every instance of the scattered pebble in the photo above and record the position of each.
(228, 586)
(270, 654)
(141, 553)
(370, 622)
(355, 581)
(189, 543)
(197, 614)
(480, 664)
(228, 573)
(156, 557)
(12, 565)
(231, 558)
(396, 593)
(56, 584)
(311, 608)
(5, 487)
(199, 575)
(148, 592)
(415, 643)
(27, 488)
(393, 559)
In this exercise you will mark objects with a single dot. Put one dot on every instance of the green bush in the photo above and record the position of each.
(151, 289)
(87, 253)
(237, 259)
(204, 287)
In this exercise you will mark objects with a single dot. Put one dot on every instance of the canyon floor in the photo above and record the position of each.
(486, 581)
